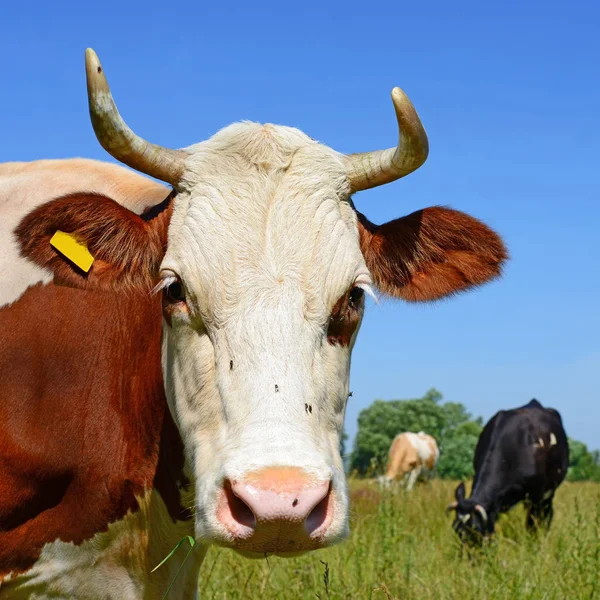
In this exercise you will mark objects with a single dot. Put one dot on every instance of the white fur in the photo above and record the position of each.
(420, 443)
(424, 452)
(265, 243)
(114, 564)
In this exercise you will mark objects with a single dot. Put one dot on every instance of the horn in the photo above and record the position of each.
(451, 506)
(370, 169)
(117, 138)
(482, 512)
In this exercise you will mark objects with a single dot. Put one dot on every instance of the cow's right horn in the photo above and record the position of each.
(118, 139)
(370, 169)
(451, 506)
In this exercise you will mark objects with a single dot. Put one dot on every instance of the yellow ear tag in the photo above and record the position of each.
(75, 251)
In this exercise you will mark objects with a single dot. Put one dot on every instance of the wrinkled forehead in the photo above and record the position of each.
(264, 211)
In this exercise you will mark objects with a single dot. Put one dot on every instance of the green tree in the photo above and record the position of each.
(583, 464)
(458, 450)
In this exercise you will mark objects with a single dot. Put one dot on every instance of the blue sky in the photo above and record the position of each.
(509, 95)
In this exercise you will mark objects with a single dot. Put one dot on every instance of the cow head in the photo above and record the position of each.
(471, 521)
(263, 263)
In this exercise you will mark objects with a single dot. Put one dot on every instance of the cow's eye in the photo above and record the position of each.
(355, 296)
(174, 292)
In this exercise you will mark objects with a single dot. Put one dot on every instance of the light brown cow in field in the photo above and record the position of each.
(411, 455)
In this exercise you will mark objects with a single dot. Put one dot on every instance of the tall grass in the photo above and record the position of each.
(402, 546)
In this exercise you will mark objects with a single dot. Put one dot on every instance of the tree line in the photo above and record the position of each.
(455, 430)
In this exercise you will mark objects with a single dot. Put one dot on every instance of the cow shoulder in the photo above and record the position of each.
(83, 388)
(555, 415)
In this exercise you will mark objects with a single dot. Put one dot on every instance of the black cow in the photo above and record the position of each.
(522, 455)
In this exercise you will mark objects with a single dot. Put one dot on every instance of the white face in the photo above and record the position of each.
(265, 244)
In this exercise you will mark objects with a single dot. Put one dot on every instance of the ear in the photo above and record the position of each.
(127, 248)
(459, 493)
(431, 253)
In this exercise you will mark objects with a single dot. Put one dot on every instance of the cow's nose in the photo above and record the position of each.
(276, 509)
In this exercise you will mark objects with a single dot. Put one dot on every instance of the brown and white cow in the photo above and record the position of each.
(411, 456)
(194, 381)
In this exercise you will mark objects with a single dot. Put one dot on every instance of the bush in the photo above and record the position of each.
(583, 464)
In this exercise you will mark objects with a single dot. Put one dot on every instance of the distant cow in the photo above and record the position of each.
(411, 455)
(522, 455)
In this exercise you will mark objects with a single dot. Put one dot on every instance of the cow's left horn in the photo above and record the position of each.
(482, 512)
(117, 138)
(370, 169)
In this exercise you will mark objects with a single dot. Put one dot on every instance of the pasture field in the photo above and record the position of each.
(402, 547)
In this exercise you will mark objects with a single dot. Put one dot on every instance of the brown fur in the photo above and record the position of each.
(403, 456)
(431, 253)
(85, 426)
(430, 462)
(127, 248)
(344, 320)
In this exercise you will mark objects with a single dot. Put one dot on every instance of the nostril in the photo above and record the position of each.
(240, 511)
(276, 505)
(319, 514)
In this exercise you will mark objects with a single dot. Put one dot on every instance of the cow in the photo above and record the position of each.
(521, 455)
(412, 455)
(189, 377)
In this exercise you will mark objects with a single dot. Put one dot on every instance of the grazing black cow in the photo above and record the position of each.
(522, 455)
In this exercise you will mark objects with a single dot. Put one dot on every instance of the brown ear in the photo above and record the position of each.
(431, 253)
(127, 248)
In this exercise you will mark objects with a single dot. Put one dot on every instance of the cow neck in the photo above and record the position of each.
(98, 452)
(496, 499)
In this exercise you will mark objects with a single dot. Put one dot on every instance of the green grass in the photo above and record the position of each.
(402, 546)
